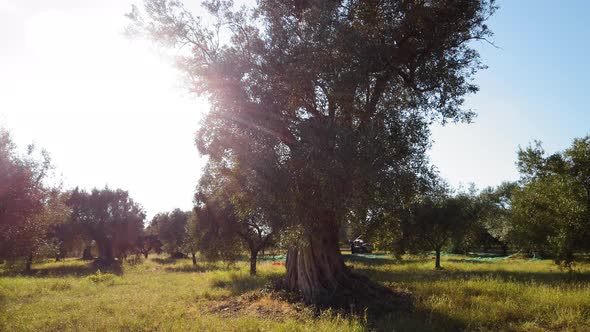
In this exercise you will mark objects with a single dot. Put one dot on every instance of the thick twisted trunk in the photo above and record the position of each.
(316, 268)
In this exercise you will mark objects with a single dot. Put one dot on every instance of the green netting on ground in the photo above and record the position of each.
(486, 259)
(481, 257)
(282, 258)
(277, 258)
(371, 255)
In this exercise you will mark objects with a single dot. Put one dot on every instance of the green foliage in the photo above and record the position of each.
(215, 239)
(29, 207)
(550, 216)
(109, 217)
(232, 208)
(170, 227)
(552, 209)
(104, 278)
(495, 213)
(438, 217)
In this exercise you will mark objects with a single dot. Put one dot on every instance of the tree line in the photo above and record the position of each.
(39, 219)
(545, 214)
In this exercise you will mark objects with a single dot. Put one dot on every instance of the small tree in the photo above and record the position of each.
(247, 212)
(208, 234)
(436, 217)
(171, 230)
(496, 213)
(191, 239)
(147, 243)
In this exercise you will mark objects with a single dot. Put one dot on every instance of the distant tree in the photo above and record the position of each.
(192, 237)
(109, 217)
(65, 236)
(171, 230)
(208, 234)
(327, 102)
(29, 207)
(436, 217)
(247, 212)
(495, 213)
(147, 243)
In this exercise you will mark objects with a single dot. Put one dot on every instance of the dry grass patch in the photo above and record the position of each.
(261, 305)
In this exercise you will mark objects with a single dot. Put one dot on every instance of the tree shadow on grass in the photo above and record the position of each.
(370, 259)
(65, 269)
(416, 320)
(423, 319)
(192, 268)
(238, 284)
(457, 260)
(380, 259)
(429, 276)
(382, 308)
(379, 307)
(165, 261)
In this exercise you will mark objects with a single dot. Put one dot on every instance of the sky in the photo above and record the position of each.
(113, 111)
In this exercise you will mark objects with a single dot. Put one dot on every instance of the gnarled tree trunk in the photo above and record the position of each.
(316, 268)
(194, 256)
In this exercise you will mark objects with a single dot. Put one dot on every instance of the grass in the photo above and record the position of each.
(170, 295)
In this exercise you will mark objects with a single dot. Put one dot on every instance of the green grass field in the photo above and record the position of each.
(170, 295)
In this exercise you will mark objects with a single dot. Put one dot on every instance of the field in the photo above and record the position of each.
(170, 295)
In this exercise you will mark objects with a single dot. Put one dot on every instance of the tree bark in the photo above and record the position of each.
(504, 249)
(29, 263)
(87, 254)
(194, 259)
(105, 251)
(437, 262)
(316, 268)
(253, 258)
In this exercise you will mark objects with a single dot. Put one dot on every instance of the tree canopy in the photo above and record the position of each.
(29, 206)
(109, 217)
(552, 209)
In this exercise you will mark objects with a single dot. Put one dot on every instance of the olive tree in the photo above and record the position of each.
(551, 212)
(328, 102)
(29, 206)
(109, 217)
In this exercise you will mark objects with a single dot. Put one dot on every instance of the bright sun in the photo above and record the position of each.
(108, 109)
